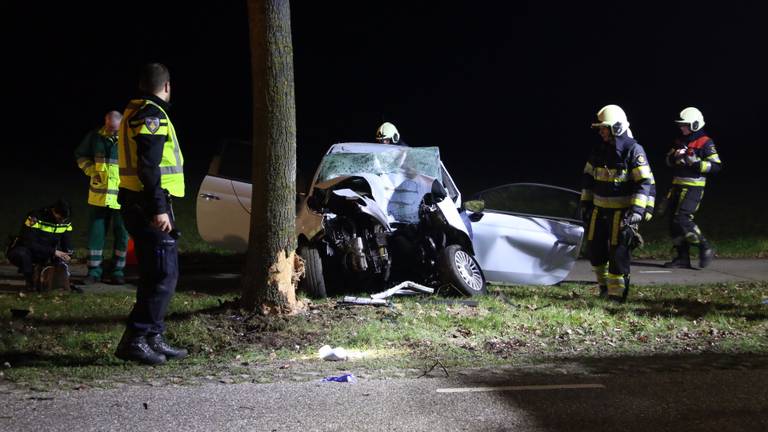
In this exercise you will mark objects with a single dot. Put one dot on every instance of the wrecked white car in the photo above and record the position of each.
(378, 214)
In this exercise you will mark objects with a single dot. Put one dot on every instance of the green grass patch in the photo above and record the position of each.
(70, 339)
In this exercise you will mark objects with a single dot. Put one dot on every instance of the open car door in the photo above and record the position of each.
(224, 199)
(528, 233)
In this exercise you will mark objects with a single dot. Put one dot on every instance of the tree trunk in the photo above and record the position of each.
(269, 268)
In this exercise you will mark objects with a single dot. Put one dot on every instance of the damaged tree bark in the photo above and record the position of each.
(268, 285)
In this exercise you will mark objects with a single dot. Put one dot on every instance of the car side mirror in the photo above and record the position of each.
(474, 206)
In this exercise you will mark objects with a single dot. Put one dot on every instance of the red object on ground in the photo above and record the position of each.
(130, 254)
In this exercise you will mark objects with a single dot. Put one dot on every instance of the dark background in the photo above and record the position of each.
(506, 89)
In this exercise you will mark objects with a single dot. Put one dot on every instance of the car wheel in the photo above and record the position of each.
(460, 269)
(312, 283)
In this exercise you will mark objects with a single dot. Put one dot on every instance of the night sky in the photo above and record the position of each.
(506, 89)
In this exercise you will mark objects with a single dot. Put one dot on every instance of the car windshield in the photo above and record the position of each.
(391, 160)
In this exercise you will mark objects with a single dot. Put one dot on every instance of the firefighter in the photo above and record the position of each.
(692, 159)
(45, 238)
(387, 134)
(97, 157)
(617, 194)
(151, 172)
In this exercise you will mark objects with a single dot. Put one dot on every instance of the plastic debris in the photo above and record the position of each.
(341, 378)
(332, 354)
(401, 288)
(363, 301)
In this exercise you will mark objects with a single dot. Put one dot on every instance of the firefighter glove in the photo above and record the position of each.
(634, 218)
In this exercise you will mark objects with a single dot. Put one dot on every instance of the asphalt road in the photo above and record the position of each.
(644, 272)
(674, 395)
(650, 272)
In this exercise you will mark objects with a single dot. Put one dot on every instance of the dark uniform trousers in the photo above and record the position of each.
(682, 203)
(25, 258)
(157, 256)
(604, 245)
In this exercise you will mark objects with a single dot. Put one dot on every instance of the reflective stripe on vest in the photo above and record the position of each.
(171, 163)
(689, 181)
(47, 226)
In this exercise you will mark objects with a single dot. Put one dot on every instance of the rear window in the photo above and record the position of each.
(530, 199)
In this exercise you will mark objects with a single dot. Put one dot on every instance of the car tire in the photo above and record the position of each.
(313, 283)
(460, 269)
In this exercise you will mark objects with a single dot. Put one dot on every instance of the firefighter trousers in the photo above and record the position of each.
(683, 202)
(608, 255)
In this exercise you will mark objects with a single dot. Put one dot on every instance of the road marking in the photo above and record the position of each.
(521, 388)
(655, 271)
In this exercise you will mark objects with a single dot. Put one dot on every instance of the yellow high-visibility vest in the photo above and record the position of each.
(172, 162)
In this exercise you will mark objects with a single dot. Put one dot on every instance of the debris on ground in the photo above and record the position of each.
(341, 378)
(437, 362)
(378, 299)
(333, 354)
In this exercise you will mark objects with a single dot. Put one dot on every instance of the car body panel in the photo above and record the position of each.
(525, 250)
(520, 238)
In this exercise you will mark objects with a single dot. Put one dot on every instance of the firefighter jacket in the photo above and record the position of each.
(43, 236)
(619, 177)
(97, 157)
(150, 158)
(702, 156)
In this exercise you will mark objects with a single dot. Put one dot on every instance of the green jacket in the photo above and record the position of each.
(97, 157)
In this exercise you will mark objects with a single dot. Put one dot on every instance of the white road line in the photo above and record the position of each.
(655, 271)
(521, 388)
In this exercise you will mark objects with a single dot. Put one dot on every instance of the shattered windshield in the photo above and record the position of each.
(420, 160)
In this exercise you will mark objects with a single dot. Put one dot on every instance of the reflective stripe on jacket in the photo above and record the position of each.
(702, 148)
(97, 157)
(134, 125)
(619, 177)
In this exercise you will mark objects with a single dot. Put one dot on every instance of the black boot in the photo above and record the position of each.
(603, 291)
(158, 344)
(135, 348)
(706, 254)
(625, 293)
(683, 258)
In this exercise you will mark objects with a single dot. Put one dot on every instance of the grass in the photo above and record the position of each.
(68, 340)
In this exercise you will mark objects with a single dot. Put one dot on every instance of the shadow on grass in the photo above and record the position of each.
(44, 360)
(88, 322)
(679, 307)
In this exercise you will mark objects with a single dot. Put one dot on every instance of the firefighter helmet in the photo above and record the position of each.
(387, 131)
(614, 118)
(692, 117)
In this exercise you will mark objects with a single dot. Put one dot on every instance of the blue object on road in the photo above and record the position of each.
(341, 378)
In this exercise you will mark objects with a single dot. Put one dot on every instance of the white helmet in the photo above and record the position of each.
(692, 117)
(614, 118)
(387, 131)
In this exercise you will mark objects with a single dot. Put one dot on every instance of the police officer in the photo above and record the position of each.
(387, 134)
(617, 194)
(692, 159)
(45, 238)
(151, 171)
(97, 157)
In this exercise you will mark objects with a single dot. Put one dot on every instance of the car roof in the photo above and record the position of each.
(362, 147)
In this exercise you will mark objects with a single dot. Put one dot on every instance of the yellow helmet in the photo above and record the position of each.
(612, 117)
(387, 131)
(692, 117)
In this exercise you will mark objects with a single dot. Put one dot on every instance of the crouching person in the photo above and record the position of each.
(45, 240)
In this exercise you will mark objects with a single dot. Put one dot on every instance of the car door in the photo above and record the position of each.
(528, 233)
(224, 198)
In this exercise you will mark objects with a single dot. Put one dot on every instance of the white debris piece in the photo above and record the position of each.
(401, 289)
(332, 354)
